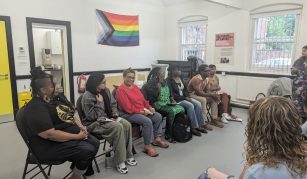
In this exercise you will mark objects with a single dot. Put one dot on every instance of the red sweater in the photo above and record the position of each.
(131, 100)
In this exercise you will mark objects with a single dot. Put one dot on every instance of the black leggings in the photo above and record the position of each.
(81, 152)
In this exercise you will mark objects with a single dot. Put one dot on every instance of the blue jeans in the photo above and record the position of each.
(193, 109)
(151, 125)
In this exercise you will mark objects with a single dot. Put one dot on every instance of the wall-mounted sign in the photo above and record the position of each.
(224, 48)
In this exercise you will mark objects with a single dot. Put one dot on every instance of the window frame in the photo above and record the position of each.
(253, 16)
(189, 21)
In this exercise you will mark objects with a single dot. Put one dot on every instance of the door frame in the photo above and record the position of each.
(11, 59)
(30, 22)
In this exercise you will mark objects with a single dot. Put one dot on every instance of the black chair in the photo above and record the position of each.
(99, 137)
(209, 116)
(32, 158)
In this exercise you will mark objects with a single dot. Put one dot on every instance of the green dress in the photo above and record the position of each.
(161, 105)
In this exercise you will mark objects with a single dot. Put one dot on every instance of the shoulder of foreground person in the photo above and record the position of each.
(260, 171)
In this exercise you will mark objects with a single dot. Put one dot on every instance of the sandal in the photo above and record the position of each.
(151, 152)
(161, 144)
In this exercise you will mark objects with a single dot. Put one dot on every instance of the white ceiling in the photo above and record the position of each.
(232, 3)
(175, 2)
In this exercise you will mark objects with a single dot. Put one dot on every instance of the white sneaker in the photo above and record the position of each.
(227, 116)
(131, 162)
(223, 119)
(121, 168)
(236, 118)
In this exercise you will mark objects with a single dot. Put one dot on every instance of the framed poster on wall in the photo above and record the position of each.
(224, 48)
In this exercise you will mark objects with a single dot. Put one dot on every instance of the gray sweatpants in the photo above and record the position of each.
(119, 135)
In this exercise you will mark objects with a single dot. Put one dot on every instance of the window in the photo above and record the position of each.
(274, 41)
(193, 37)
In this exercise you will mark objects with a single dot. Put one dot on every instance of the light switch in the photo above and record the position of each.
(21, 51)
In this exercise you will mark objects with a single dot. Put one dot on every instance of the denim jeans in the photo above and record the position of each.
(151, 125)
(194, 111)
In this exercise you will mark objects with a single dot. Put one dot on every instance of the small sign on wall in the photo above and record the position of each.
(224, 48)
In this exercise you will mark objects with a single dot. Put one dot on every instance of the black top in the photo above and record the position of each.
(37, 117)
(40, 116)
(175, 90)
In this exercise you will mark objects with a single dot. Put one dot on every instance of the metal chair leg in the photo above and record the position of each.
(43, 171)
(49, 170)
(25, 170)
(96, 164)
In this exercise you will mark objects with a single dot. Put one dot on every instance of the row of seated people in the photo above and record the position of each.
(102, 116)
(57, 133)
(99, 105)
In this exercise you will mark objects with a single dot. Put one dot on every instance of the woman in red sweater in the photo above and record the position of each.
(131, 101)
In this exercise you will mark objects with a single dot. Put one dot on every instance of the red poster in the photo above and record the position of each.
(224, 40)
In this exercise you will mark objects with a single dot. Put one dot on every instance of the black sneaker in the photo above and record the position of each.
(195, 132)
(202, 130)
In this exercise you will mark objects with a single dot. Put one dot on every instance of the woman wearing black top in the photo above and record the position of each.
(54, 128)
(181, 96)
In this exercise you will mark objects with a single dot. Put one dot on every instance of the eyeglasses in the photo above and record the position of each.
(130, 77)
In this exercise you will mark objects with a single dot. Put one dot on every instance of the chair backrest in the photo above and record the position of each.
(19, 124)
(143, 90)
(114, 90)
(79, 108)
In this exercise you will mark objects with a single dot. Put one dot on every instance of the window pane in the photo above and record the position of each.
(193, 50)
(194, 34)
(193, 39)
(273, 44)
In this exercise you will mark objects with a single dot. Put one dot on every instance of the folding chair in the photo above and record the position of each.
(209, 116)
(99, 137)
(31, 156)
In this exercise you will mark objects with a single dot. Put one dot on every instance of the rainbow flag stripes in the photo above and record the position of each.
(117, 30)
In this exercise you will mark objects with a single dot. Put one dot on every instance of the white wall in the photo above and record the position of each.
(87, 55)
(222, 19)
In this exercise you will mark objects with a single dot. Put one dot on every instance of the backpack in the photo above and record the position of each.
(182, 128)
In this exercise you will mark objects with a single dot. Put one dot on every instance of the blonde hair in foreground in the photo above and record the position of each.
(274, 135)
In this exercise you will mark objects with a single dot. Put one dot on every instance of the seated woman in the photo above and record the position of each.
(275, 147)
(132, 102)
(102, 117)
(56, 134)
(214, 87)
(182, 96)
(160, 97)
